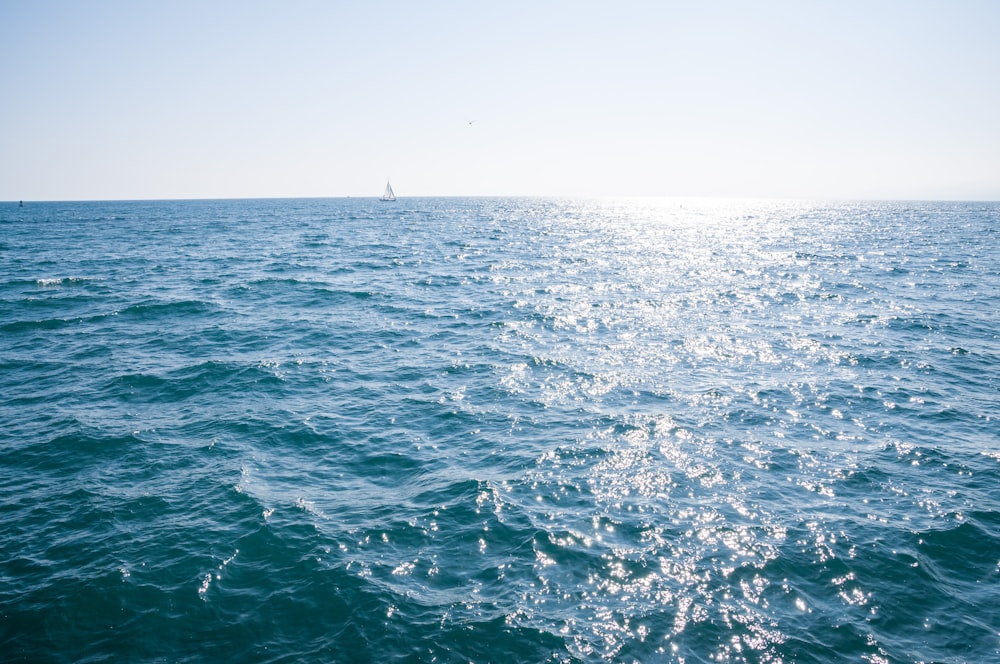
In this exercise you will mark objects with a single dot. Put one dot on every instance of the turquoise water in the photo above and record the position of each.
(499, 430)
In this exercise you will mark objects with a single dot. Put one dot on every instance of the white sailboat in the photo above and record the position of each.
(388, 195)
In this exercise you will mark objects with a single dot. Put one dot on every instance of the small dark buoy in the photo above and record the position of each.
(20, 204)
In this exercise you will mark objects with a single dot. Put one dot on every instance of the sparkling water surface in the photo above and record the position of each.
(499, 430)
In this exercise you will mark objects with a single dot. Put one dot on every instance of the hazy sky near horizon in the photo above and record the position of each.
(847, 99)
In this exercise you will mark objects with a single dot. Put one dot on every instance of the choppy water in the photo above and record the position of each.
(499, 430)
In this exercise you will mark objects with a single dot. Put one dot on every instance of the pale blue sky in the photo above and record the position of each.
(179, 99)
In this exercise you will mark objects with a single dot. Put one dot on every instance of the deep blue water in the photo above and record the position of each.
(509, 430)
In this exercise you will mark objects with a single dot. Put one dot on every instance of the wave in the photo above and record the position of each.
(49, 282)
(187, 382)
(43, 324)
(168, 311)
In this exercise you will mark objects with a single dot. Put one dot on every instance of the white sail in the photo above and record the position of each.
(388, 195)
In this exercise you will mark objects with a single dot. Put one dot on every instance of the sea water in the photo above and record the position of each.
(507, 430)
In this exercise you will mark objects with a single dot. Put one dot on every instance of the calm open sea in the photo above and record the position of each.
(508, 430)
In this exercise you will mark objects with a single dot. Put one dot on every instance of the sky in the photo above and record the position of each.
(845, 99)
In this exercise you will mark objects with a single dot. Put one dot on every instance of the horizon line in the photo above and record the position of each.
(19, 202)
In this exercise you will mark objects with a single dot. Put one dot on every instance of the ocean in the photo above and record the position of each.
(499, 430)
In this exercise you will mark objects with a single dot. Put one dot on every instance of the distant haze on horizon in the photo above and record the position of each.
(837, 100)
